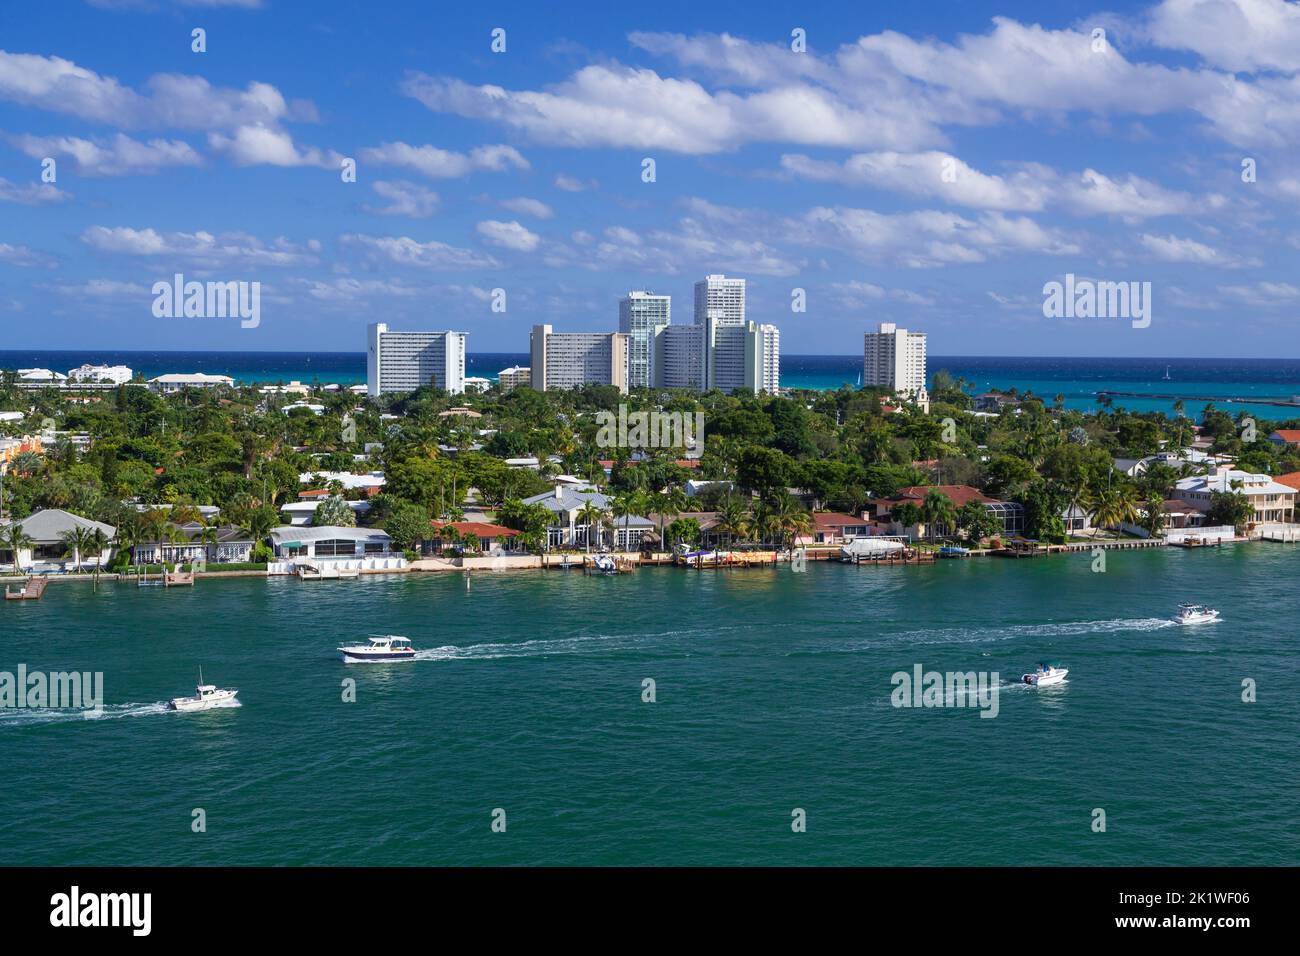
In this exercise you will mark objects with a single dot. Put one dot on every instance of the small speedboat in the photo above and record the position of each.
(1045, 675)
(604, 564)
(1196, 614)
(378, 649)
(207, 696)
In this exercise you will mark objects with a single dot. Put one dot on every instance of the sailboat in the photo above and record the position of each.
(1167, 373)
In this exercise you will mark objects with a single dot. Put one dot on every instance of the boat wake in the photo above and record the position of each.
(988, 634)
(29, 716)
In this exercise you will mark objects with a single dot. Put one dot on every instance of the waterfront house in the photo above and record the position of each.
(1182, 514)
(833, 527)
(48, 551)
(231, 545)
(1272, 500)
(1286, 436)
(1009, 514)
(447, 534)
(330, 542)
(567, 532)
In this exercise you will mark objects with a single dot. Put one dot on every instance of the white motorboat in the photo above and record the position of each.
(207, 696)
(604, 564)
(1196, 614)
(323, 571)
(378, 649)
(1045, 675)
(869, 548)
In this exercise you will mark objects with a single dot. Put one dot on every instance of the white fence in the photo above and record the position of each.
(1214, 533)
(387, 563)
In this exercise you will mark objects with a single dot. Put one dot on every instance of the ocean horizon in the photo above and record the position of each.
(1247, 384)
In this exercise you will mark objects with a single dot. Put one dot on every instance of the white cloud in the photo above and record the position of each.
(31, 194)
(117, 156)
(24, 256)
(170, 100)
(1175, 249)
(445, 164)
(529, 207)
(202, 248)
(571, 185)
(269, 146)
(405, 251)
(405, 199)
(508, 235)
(1237, 35)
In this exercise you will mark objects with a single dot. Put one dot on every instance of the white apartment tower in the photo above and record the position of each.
(679, 357)
(571, 359)
(405, 361)
(641, 317)
(894, 358)
(718, 297)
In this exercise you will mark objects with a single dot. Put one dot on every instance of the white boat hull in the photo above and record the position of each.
(1199, 618)
(359, 656)
(1047, 678)
(225, 698)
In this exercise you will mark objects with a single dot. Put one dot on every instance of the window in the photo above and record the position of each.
(335, 548)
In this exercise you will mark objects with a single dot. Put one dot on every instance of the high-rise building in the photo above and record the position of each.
(894, 358)
(641, 317)
(718, 297)
(570, 359)
(767, 359)
(679, 357)
(405, 361)
(742, 358)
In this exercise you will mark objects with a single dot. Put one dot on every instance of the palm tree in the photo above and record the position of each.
(96, 545)
(625, 506)
(591, 515)
(937, 510)
(15, 539)
(209, 537)
(732, 520)
(668, 505)
(75, 543)
(797, 524)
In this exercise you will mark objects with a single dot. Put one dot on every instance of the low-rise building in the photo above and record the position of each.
(48, 550)
(108, 375)
(179, 381)
(329, 542)
(491, 537)
(567, 531)
(1272, 500)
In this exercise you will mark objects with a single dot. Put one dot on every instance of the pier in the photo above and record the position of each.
(33, 589)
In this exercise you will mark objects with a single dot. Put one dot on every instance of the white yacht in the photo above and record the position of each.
(1045, 675)
(1196, 614)
(377, 649)
(207, 696)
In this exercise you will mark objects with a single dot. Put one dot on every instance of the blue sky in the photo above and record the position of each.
(933, 167)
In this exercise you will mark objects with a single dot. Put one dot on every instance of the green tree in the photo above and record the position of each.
(334, 511)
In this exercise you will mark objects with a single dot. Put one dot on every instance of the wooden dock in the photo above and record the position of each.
(33, 589)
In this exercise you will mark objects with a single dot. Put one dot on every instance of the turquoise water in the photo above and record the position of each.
(773, 693)
(1076, 379)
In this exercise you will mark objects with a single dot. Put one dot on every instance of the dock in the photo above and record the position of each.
(33, 589)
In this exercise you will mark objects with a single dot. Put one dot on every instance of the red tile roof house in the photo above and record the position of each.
(1291, 479)
(1285, 436)
(490, 536)
(1011, 515)
(834, 527)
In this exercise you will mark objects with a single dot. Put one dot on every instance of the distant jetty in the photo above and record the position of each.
(1227, 400)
